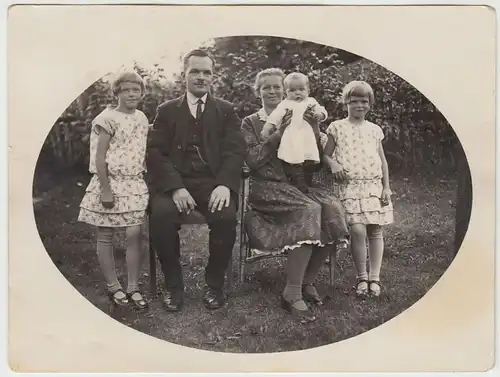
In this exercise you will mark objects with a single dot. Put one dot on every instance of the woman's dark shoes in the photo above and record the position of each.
(291, 307)
(173, 301)
(118, 298)
(311, 295)
(137, 300)
(213, 298)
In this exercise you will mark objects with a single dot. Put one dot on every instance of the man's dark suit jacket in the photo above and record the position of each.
(225, 146)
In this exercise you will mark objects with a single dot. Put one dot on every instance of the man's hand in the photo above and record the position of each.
(183, 201)
(107, 199)
(219, 199)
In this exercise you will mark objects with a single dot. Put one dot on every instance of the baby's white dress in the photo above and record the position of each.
(298, 142)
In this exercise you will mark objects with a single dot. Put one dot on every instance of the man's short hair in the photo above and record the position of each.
(199, 53)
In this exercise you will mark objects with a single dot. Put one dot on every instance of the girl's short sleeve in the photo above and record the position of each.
(105, 122)
(144, 119)
(332, 130)
(379, 134)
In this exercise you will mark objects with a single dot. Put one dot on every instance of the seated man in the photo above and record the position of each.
(195, 155)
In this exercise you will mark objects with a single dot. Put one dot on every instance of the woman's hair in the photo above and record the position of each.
(264, 73)
(359, 89)
(128, 76)
(295, 76)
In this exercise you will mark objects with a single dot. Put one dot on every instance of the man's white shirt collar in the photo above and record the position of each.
(192, 99)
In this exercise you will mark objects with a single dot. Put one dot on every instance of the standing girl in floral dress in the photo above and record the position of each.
(117, 196)
(356, 157)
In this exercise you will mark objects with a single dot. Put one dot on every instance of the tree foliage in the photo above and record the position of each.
(416, 132)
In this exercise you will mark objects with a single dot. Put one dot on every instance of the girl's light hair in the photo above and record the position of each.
(127, 76)
(264, 73)
(295, 76)
(358, 89)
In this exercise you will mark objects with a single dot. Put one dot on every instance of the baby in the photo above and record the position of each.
(300, 141)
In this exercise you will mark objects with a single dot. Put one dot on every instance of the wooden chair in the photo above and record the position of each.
(247, 257)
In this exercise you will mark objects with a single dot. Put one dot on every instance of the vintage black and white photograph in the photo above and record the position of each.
(252, 194)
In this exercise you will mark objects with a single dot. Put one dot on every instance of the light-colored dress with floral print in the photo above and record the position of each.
(357, 151)
(125, 160)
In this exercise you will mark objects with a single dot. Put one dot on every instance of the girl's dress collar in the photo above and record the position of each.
(356, 124)
(113, 109)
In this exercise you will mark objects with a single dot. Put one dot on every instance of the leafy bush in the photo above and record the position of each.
(416, 132)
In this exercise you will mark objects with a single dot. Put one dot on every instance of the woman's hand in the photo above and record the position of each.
(338, 172)
(285, 122)
(313, 119)
(309, 115)
(386, 197)
(107, 199)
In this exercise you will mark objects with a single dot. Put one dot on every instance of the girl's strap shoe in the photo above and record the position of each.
(374, 291)
(118, 301)
(362, 287)
(139, 302)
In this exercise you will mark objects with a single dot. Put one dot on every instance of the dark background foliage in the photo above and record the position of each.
(419, 140)
(424, 156)
(417, 135)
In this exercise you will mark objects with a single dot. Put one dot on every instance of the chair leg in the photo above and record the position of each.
(243, 235)
(333, 263)
(152, 268)
(243, 254)
(229, 274)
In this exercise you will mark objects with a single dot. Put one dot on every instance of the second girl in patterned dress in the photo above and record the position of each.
(356, 157)
(117, 196)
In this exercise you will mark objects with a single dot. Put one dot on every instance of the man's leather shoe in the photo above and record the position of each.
(172, 301)
(213, 298)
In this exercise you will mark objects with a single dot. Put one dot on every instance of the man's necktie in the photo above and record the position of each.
(199, 110)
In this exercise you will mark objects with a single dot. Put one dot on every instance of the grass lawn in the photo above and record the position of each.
(419, 248)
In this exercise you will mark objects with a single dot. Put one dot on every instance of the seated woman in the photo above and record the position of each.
(282, 218)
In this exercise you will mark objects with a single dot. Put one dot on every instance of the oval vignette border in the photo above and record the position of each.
(430, 98)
